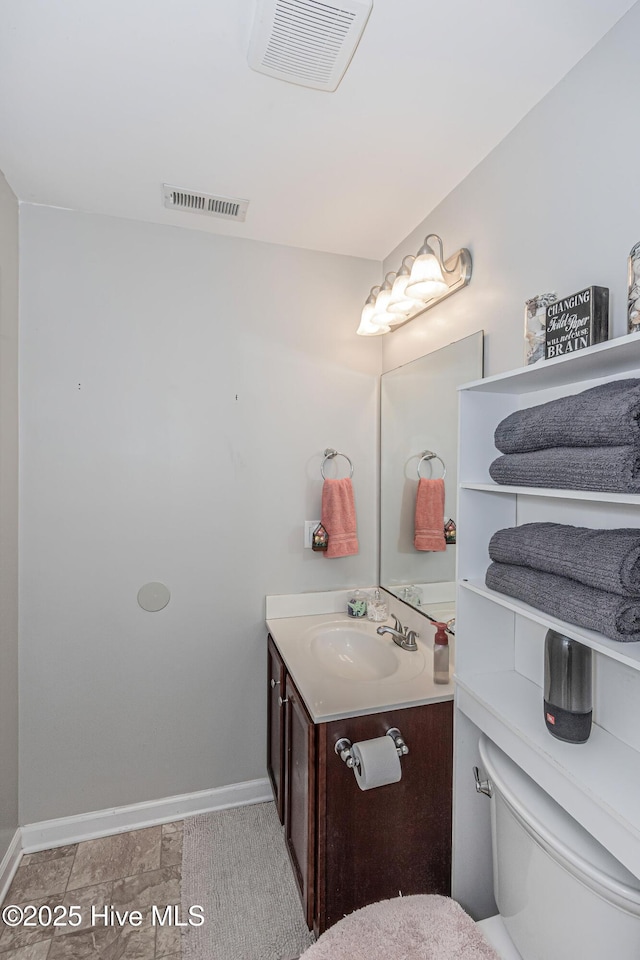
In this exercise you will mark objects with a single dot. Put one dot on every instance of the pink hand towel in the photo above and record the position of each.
(429, 528)
(339, 517)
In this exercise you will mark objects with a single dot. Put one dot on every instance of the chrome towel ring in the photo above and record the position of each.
(430, 455)
(329, 454)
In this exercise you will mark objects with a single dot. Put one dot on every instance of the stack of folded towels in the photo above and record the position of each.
(589, 441)
(587, 577)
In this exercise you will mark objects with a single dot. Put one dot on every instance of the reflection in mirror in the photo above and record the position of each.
(419, 414)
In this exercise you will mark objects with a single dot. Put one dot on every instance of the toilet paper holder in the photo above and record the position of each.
(343, 748)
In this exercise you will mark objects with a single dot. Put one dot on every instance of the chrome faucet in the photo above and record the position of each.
(403, 637)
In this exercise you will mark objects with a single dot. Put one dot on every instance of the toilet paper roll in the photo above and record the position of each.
(379, 763)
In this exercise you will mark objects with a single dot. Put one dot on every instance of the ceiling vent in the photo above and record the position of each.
(227, 208)
(308, 42)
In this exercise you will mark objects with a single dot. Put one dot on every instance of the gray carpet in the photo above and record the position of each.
(235, 864)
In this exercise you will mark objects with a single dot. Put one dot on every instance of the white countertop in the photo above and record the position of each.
(328, 697)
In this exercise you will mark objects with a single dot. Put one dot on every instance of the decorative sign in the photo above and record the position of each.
(576, 322)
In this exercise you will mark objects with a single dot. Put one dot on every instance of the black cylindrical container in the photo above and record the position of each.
(567, 688)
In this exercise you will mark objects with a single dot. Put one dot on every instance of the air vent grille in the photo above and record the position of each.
(227, 208)
(308, 42)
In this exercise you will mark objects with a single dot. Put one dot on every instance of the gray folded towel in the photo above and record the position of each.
(604, 416)
(605, 469)
(606, 559)
(607, 613)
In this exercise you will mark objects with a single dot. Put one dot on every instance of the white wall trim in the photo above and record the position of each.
(103, 823)
(10, 863)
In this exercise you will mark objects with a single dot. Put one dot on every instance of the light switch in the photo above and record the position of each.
(309, 527)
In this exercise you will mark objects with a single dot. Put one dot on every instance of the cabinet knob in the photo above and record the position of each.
(281, 701)
(274, 683)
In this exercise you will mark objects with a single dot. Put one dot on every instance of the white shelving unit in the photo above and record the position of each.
(631, 498)
(628, 653)
(499, 640)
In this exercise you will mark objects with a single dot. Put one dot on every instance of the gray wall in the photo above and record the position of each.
(8, 515)
(556, 206)
(177, 390)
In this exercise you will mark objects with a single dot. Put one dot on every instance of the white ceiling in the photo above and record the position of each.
(101, 101)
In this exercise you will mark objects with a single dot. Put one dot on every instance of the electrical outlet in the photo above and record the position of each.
(309, 527)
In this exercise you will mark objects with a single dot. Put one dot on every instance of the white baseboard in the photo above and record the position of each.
(103, 823)
(9, 864)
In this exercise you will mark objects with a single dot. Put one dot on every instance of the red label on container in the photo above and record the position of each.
(551, 719)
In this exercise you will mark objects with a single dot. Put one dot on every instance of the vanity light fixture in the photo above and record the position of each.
(419, 283)
(367, 328)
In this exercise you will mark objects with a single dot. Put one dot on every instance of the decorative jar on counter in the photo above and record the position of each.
(377, 608)
(357, 604)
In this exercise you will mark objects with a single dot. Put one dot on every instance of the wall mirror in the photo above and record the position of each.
(418, 413)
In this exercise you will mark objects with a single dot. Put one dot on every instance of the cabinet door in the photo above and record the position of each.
(300, 796)
(275, 725)
(376, 843)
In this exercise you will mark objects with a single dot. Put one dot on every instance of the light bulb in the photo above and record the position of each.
(380, 317)
(367, 328)
(400, 305)
(426, 280)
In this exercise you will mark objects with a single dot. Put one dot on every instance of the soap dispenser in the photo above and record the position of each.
(441, 654)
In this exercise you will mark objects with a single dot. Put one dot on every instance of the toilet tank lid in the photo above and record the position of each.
(550, 822)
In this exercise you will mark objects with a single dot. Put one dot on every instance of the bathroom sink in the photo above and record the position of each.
(357, 652)
(342, 667)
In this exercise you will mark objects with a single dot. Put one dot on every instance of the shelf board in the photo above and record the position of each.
(627, 653)
(611, 358)
(552, 492)
(604, 773)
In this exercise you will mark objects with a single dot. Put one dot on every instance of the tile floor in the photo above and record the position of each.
(131, 871)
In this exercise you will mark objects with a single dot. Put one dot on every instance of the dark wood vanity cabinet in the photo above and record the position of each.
(300, 796)
(291, 765)
(275, 726)
(350, 847)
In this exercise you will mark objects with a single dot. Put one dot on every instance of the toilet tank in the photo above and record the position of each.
(559, 892)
